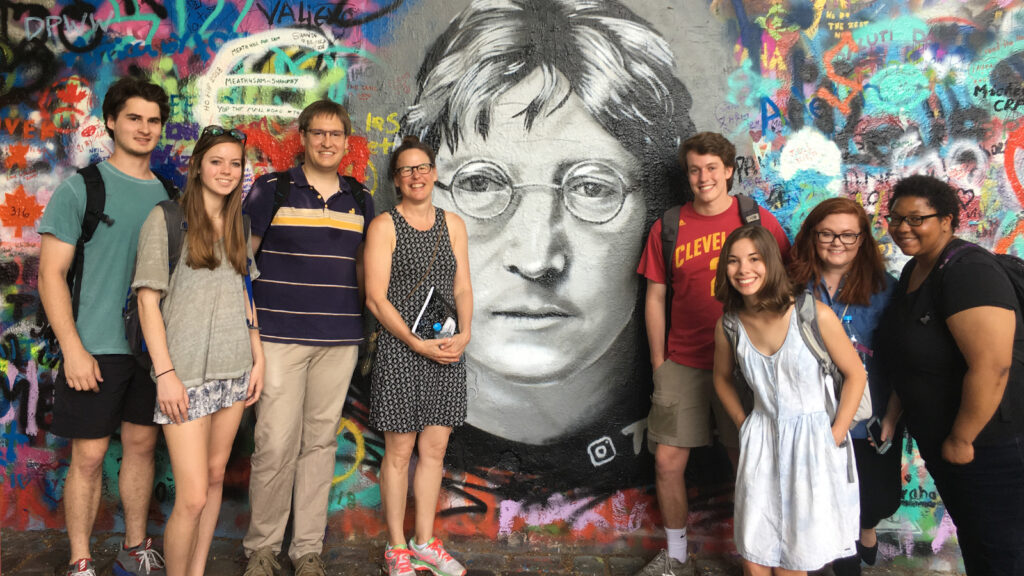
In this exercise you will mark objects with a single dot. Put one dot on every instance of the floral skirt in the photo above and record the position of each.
(209, 397)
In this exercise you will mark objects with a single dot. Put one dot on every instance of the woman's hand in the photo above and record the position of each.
(439, 349)
(255, 382)
(455, 345)
(839, 435)
(172, 397)
(957, 450)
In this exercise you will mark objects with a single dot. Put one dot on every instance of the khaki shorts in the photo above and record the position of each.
(682, 405)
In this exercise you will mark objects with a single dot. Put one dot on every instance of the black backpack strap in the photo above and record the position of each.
(172, 190)
(282, 189)
(174, 219)
(669, 236)
(95, 203)
(750, 212)
(358, 193)
(281, 192)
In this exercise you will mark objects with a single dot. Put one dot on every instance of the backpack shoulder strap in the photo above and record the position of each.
(730, 325)
(95, 204)
(669, 236)
(172, 190)
(358, 193)
(806, 310)
(95, 201)
(174, 219)
(750, 212)
(281, 192)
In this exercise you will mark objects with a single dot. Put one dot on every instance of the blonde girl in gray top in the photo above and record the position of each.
(202, 336)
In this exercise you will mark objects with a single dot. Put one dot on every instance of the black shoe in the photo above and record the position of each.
(867, 553)
(849, 566)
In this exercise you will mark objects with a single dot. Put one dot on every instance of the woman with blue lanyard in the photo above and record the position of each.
(837, 258)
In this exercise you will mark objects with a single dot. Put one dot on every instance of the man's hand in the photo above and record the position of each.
(82, 371)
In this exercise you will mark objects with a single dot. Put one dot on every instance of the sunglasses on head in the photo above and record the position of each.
(214, 130)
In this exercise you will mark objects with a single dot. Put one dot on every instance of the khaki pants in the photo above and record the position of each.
(297, 421)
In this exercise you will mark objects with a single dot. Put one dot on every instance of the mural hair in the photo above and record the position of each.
(710, 143)
(777, 290)
(939, 195)
(328, 108)
(200, 236)
(622, 71)
(866, 275)
(131, 87)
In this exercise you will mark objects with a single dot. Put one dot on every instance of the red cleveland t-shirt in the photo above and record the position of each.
(691, 338)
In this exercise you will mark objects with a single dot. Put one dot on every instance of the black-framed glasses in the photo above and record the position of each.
(215, 130)
(914, 221)
(591, 191)
(406, 171)
(828, 236)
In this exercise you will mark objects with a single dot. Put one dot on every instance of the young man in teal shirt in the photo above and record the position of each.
(100, 385)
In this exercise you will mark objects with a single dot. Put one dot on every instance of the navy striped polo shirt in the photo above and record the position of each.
(307, 291)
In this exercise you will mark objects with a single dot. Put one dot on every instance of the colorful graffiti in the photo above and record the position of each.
(822, 97)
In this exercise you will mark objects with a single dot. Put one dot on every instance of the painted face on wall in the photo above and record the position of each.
(554, 222)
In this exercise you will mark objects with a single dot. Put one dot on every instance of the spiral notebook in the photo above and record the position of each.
(435, 308)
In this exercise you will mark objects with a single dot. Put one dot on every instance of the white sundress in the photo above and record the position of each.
(796, 506)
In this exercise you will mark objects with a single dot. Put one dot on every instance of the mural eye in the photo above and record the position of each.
(482, 189)
(594, 192)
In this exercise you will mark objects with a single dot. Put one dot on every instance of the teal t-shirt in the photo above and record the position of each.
(109, 255)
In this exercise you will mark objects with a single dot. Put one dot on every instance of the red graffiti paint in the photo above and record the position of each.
(20, 210)
(855, 87)
(16, 156)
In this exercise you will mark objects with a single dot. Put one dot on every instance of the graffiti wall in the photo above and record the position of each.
(822, 97)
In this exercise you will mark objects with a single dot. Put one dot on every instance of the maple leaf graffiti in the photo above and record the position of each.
(20, 210)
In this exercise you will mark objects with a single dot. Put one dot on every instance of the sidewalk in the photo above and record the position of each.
(41, 553)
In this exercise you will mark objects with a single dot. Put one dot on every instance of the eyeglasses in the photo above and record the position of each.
(215, 130)
(591, 191)
(316, 134)
(914, 221)
(406, 171)
(828, 236)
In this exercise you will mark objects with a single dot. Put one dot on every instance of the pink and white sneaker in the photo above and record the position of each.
(398, 562)
(435, 558)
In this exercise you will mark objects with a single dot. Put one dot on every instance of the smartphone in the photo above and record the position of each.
(875, 435)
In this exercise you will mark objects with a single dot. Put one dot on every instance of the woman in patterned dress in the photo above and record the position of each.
(413, 253)
(202, 336)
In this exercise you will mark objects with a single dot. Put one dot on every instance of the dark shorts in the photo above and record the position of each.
(126, 394)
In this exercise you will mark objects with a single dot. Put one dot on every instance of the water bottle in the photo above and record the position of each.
(858, 344)
(446, 330)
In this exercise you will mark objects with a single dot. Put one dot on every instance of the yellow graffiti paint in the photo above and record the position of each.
(349, 425)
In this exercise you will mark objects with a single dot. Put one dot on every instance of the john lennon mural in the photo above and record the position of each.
(556, 124)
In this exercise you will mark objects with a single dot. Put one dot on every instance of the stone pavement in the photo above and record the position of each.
(42, 553)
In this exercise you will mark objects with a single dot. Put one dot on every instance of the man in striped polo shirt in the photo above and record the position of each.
(309, 302)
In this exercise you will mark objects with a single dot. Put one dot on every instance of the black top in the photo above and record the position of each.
(922, 359)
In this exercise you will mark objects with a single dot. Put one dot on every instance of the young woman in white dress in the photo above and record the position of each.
(796, 499)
